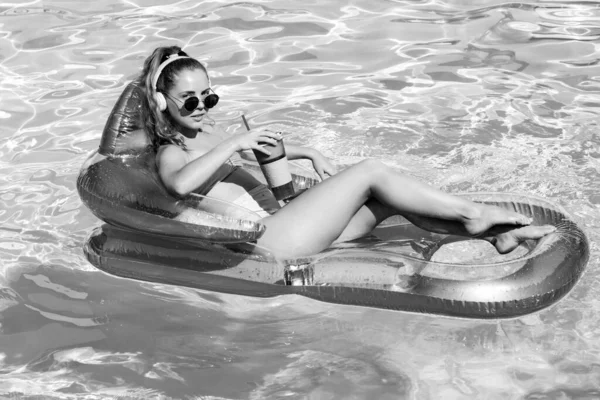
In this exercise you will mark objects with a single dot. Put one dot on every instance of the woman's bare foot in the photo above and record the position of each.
(508, 241)
(485, 217)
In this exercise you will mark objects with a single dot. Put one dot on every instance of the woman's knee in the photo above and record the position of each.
(374, 167)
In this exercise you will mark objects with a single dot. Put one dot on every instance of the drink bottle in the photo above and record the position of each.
(275, 168)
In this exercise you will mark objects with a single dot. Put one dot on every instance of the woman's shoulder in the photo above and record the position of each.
(171, 154)
(170, 150)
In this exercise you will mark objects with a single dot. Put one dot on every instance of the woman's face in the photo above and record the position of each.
(189, 83)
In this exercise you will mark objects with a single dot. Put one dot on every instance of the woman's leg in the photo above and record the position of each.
(504, 237)
(367, 218)
(312, 221)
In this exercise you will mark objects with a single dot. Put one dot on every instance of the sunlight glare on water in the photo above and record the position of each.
(470, 96)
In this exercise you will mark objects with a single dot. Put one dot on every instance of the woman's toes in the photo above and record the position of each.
(520, 219)
(507, 242)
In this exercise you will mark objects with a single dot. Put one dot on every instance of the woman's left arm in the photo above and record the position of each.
(321, 164)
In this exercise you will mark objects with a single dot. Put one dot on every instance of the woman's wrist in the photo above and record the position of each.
(316, 155)
(310, 153)
(230, 145)
(297, 152)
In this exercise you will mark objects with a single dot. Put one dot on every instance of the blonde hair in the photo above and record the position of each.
(158, 124)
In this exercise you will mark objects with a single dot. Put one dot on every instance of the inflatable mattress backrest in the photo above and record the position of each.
(127, 176)
(120, 184)
(123, 133)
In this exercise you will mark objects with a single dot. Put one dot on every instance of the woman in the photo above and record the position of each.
(195, 156)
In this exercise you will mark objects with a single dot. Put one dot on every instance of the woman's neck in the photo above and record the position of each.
(190, 133)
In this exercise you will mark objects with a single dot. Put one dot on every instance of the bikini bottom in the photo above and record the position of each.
(259, 200)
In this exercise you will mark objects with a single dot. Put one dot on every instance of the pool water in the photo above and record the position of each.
(469, 96)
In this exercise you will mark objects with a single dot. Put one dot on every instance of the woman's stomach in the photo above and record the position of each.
(244, 190)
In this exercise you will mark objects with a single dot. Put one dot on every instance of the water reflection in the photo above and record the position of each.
(484, 96)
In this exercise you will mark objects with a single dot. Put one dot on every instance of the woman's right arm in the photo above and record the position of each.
(182, 175)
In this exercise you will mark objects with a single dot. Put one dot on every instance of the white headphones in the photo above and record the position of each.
(159, 97)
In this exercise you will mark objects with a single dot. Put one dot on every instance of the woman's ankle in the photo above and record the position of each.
(469, 211)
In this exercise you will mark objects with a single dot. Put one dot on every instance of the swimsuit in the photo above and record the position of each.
(259, 199)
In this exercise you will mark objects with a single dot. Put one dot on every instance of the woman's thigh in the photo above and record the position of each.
(371, 214)
(316, 218)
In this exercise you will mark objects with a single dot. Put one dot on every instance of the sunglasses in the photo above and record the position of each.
(191, 103)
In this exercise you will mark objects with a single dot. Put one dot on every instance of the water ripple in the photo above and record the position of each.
(470, 96)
